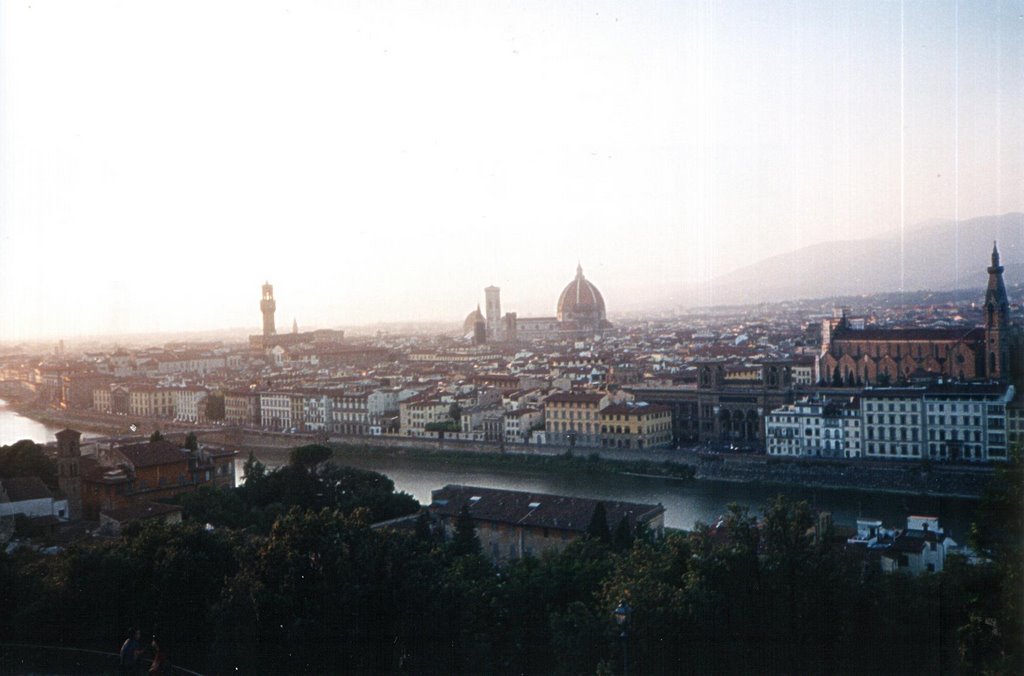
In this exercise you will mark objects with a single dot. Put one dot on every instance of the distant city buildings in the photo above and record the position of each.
(580, 312)
(927, 376)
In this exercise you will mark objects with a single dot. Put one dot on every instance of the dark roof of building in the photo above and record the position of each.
(952, 388)
(576, 397)
(25, 488)
(153, 453)
(535, 509)
(896, 335)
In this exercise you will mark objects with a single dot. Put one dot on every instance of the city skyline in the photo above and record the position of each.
(387, 163)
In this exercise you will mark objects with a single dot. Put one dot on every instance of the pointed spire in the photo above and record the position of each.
(295, 325)
(995, 268)
(579, 270)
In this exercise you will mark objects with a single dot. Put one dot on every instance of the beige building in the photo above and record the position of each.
(416, 413)
(155, 402)
(572, 418)
(629, 425)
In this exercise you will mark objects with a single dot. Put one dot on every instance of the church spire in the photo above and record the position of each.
(995, 259)
(579, 270)
(997, 320)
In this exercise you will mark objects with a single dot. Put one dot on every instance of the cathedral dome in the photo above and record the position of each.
(471, 319)
(581, 302)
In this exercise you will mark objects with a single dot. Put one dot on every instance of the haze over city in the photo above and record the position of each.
(386, 161)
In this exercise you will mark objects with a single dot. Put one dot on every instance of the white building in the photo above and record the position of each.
(815, 427)
(317, 411)
(921, 547)
(188, 403)
(520, 424)
(941, 421)
(893, 422)
(276, 410)
(968, 421)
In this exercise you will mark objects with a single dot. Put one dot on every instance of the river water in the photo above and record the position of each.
(685, 501)
(15, 427)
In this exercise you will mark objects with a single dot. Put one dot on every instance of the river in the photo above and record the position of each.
(15, 427)
(685, 501)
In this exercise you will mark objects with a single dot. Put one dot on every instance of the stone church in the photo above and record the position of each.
(853, 355)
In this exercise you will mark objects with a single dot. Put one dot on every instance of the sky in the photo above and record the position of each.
(385, 161)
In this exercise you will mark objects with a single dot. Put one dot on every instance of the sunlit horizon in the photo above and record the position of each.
(384, 163)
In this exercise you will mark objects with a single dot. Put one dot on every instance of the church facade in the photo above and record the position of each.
(851, 355)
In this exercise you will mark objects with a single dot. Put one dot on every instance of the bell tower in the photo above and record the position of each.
(69, 452)
(492, 295)
(267, 307)
(997, 322)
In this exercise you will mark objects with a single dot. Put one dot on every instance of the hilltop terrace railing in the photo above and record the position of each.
(26, 658)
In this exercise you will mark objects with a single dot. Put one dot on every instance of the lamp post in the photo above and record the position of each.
(622, 614)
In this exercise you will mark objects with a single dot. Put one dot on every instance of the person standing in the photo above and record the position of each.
(160, 666)
(131, 649)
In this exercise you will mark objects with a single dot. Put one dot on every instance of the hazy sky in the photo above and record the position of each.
(385, 161)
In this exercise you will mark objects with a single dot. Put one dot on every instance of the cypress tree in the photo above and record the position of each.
(598, 527)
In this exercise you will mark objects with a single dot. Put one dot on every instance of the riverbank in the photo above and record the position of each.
(92, 422)
(591, 463)
(861, 476)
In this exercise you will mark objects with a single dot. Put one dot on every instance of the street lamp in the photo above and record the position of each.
(622, 614)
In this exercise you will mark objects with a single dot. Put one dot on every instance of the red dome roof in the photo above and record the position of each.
(471, 319)
(580, 301)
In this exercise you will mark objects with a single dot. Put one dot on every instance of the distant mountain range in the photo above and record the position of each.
(848, 268)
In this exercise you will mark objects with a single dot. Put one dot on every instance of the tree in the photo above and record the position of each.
(192, 442)
(310, 456)
(598, 527)
(27, 458)
(998, 533)
(623, 538)
(253, 469)
(837, 378)
(455, 412)
(465, 541)
(155, 437)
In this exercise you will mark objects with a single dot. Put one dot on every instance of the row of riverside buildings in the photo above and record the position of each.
(936, 421)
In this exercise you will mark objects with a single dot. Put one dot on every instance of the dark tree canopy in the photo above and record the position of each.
(598, 526)
(465, 541)
(310, 455)
(26, 458)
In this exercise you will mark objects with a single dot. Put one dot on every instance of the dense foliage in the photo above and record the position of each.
(309, 482)
(319, 591)
(26, 458)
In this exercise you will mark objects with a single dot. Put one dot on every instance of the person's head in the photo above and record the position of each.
(135, 633)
